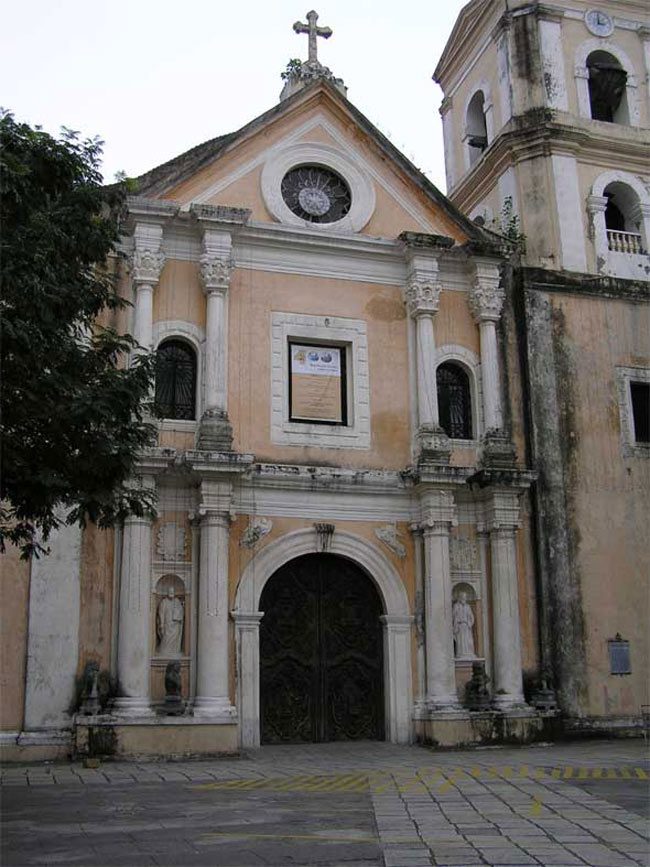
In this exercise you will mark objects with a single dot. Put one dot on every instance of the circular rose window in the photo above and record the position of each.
(316, 194)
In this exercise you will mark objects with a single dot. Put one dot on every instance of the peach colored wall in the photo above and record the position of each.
(609, 495)
(253, 297)
(96, 597)
(178, 294)
(14, 614)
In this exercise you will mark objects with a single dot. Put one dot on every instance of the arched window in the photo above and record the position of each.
(176, 380)
(476, 127)
(607, 82)
(621, 219)
(454, 401)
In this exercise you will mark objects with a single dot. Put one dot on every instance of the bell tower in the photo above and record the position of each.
(547, 129)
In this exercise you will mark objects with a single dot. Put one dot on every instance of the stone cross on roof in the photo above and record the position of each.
(313, 30)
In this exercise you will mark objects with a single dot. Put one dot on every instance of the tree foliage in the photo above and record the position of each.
(73, 415)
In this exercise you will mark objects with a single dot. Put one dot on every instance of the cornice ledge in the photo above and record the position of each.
(139, 206)
(155, 460)
(220, 214)
(339, 479)
(423, 241)
(205, 463)
(276, 235)
(502, 479)
(427, 474)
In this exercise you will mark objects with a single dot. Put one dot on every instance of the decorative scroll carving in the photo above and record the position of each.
(146, 265)
(463, 554)
(390, 537)
(215, 271)
(256, 530)
(325, 533)
(170, 544)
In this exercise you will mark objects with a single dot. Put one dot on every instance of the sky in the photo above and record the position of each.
(153, 78)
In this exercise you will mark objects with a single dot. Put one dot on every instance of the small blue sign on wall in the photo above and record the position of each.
(619, 655)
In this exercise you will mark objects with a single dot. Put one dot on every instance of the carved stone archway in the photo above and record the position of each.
(397, 622)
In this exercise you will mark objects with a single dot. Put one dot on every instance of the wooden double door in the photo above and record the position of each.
(321, 665)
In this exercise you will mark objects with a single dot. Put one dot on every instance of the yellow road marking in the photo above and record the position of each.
(417, 781)
(536, 808)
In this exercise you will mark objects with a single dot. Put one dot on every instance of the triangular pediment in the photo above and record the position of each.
(316, 126)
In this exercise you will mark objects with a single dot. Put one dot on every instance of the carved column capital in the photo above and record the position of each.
(146, 264)
(502, 513)
(438, 513)
(487, 295)
(215, 272)
(422, 296)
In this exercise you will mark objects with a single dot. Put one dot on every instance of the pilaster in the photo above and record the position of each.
(397, 648)
(247, 629)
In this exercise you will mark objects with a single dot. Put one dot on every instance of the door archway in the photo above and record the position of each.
(321, 653)
(396, 623)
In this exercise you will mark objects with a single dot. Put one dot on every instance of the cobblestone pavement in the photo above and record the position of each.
(338, 804)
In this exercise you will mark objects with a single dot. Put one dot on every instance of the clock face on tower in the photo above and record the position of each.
(599, 23)
(316, 194)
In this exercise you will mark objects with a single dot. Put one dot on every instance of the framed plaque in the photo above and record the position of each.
(619, 655)
(317, 384)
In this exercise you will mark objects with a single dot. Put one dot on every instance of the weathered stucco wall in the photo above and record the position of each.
(592, 500)
(13, 638)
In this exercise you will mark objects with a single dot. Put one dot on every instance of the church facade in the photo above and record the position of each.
(350, 510)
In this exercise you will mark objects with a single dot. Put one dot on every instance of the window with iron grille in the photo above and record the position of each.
(454, 401)
(176, 380)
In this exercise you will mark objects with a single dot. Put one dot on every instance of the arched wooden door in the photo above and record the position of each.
(321, 666)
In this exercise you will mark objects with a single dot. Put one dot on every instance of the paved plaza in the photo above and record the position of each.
(347, 804)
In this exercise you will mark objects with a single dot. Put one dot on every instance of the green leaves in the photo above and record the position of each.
(74, 416)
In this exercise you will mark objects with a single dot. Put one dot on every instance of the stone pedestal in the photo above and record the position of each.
(215, 432)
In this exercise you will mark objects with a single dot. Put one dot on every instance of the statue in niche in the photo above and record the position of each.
(169, 624)
(462, 618)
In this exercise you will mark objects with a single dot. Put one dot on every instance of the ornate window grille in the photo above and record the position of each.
(176, 380)
(454, 401)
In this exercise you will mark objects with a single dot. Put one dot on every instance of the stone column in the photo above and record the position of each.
(486, 302)
(212, 692)
(247, 626)
(146, 266)
(596, 207)
(502, 521)
(134, 627)
(640, 214)
(215, 431)
(438, 517)
(422, 296)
